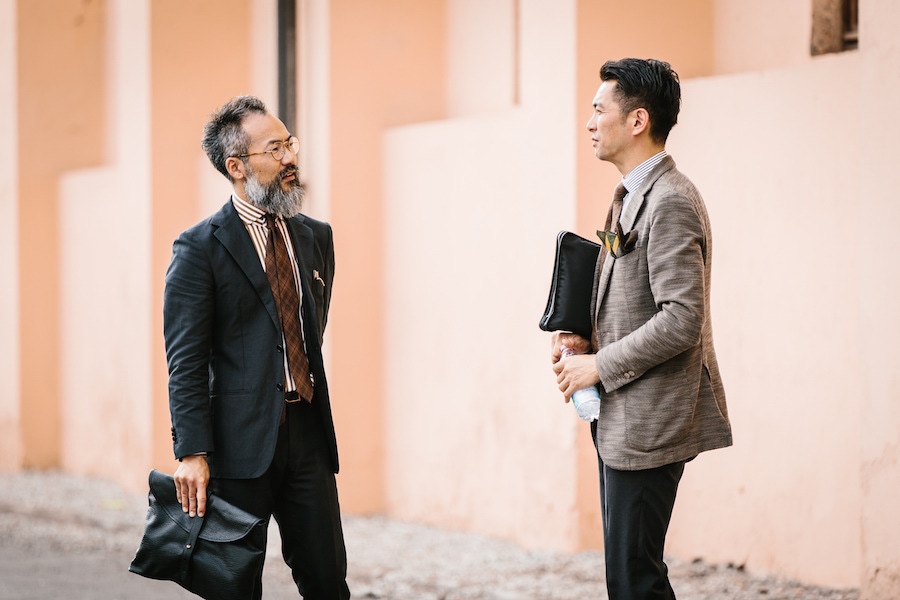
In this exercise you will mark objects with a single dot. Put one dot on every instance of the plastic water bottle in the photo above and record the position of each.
(587, 400)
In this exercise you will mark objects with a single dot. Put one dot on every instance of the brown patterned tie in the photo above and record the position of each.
(284, 288)
(612, 219)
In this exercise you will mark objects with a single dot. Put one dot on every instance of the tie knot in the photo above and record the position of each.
(270, 220)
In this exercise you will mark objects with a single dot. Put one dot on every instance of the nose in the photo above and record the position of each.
(590, 124)
(289, 157)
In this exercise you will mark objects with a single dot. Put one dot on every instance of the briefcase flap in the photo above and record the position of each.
(227, 523)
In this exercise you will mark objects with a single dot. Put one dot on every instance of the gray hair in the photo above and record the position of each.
(224, 135)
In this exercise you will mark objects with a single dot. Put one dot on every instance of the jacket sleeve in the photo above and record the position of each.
(675, 247)
(188, 316)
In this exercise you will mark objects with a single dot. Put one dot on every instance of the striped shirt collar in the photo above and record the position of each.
(637, 175)
(250, 214)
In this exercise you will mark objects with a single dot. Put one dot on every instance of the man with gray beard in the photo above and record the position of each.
(245, 307)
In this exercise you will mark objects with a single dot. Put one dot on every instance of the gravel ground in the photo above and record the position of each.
(69, 537)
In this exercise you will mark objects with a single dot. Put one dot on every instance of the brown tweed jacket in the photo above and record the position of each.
(663, 399)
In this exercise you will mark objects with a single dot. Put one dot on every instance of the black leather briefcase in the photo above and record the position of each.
(218, 556)
(569, 303)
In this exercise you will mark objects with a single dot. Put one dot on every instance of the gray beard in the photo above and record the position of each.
(272, 198)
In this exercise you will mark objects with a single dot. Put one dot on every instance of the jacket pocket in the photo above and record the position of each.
(659, 410)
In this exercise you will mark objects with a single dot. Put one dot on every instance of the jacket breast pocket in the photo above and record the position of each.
(628, 243)
(317, 291)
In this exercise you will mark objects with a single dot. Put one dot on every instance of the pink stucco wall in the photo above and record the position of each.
(10, 412)
(877, 218)
(447, 172)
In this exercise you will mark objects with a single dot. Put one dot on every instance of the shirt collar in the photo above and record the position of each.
(637, 175)
(249, 213)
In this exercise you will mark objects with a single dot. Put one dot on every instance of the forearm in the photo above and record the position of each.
(665, 335)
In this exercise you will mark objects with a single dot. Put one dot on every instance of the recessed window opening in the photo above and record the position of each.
(835, 26)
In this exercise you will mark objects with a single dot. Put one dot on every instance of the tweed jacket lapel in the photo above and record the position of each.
(232, 234)
(629, 215)
(628, 219)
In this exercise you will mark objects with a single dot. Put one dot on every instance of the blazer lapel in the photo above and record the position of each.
(302, 239)
(602, 284)
(627, 219)
(232, 234)
(629, 216)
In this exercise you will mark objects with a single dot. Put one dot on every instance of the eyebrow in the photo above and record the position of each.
(276, 141)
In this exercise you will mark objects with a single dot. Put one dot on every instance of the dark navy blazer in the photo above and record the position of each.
(224, 344)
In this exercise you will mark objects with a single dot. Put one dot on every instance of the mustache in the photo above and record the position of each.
(288, 171)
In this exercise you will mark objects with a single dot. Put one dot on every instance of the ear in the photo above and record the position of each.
(641, 121)
(236, 168)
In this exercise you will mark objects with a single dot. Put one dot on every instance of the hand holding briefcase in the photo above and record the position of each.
(217, 556)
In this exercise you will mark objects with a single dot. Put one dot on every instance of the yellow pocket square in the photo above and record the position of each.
(616, 243)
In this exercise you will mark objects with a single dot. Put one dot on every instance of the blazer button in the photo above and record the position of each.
(279, 387)
(279, 348)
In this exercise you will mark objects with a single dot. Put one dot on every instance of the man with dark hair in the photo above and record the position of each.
(245, 307)
(651, 354)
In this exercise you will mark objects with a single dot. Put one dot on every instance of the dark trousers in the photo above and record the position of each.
(636, 508)
(300, 491)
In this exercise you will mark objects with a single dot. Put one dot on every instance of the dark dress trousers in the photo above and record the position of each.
(226, 388)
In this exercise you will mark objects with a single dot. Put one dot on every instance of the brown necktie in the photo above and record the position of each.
(281, 278)
(612, 219)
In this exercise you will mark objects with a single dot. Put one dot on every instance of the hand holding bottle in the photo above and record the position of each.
(587, 400)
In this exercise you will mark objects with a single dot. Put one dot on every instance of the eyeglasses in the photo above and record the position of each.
(278, 149)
